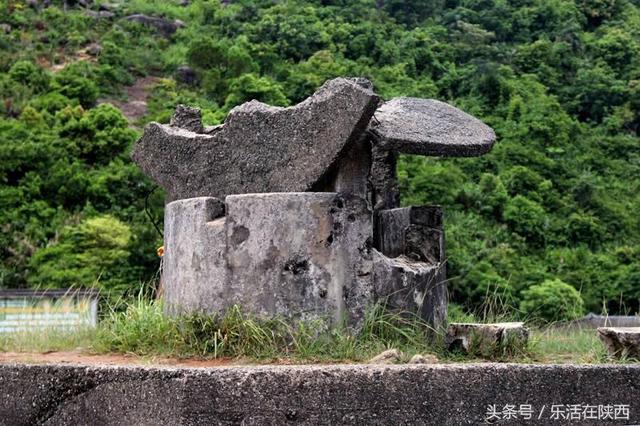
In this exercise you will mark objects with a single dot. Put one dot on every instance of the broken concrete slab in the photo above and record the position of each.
(486, 338)
(259, 148)
(409, 286)
(298, 256)
(621, 341)
(429, 127)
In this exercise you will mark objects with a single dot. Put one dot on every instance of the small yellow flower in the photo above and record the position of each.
(160, 251)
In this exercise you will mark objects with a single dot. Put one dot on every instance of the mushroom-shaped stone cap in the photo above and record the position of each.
(429, 127)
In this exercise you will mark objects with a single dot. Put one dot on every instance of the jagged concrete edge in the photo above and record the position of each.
(439, 394)
(153, 128)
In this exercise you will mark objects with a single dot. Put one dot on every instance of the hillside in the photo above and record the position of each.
(558, 80)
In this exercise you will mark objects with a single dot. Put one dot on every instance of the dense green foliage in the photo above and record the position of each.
(559, 80)
(553, 300)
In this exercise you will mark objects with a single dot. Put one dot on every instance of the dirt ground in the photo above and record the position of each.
(135, 107)
(83, 358)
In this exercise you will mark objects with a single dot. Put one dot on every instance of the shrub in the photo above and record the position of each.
(88, 254)
(553, 300)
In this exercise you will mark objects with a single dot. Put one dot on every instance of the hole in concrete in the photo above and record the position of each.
(351, 218)
(322, 293)
(239, 235)
(338, 203)
(296, 266)
(329, 240)
(337, 226)
(291, 415)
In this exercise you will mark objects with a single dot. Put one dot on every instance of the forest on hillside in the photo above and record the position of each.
(550, 214)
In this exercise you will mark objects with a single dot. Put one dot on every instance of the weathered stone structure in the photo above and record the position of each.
(621, 342)
(295, 211)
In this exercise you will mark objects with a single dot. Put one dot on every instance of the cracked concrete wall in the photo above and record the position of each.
(297, 255)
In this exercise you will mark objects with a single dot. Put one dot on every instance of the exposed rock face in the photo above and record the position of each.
(429, 127)
(259, 148)
(483, 338)
(164, 26)
(187, 75)
(621, 341)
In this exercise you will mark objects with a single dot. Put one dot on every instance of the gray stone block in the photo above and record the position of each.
(300, 255)
(194, 264)
(411, 286)
(621, 341)
(259, 148)
(484, 338)
(429, 127)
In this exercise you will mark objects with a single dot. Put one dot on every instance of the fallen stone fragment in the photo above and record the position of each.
(621, 342)
(423, 359)
(389, 356)
(429, 127)
(486, 338)
(259, 148)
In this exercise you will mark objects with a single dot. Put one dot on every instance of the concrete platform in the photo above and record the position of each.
(444, 394)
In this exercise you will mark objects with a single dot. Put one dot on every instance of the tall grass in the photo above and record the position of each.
(142, 328)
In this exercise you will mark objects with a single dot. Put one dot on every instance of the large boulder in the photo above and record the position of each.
(259, 148)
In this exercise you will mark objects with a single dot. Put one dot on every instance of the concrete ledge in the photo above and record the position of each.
(344, 394)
